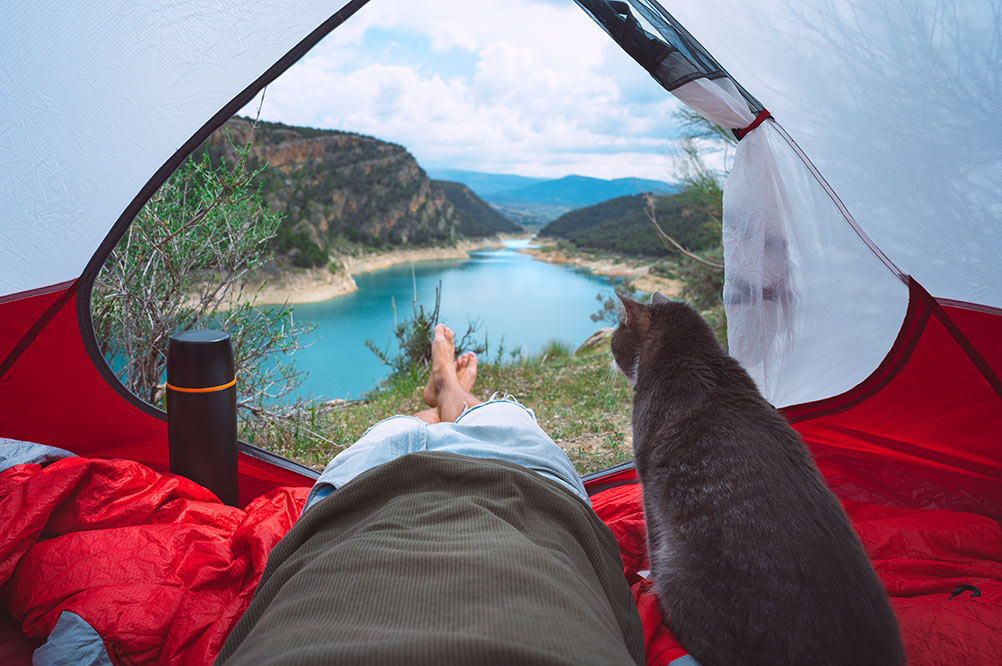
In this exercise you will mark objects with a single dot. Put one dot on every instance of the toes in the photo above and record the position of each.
(466, 366)
(444, 336)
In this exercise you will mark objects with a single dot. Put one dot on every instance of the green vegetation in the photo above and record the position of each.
(476, 217)
(346, 192)
(179, 266)
(297, 244)
(578, 400)
(623, 225)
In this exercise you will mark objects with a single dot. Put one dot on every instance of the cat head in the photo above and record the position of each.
(663, 326)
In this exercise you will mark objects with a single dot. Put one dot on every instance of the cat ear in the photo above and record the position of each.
(658, 298)
(635, 315)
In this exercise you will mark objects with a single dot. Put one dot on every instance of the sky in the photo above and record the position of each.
(529, 87)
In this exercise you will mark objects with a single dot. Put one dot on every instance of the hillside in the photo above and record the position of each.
(534, 202)
(476, 213)
(583, 219)
(621, 225)
(340, 189)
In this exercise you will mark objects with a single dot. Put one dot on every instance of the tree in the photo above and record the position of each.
(181, 265)
(608, 312)
(697, 180)
(702, 273)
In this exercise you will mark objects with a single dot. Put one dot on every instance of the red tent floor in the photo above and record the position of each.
(913, 452)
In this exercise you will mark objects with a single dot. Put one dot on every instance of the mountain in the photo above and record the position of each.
(534, 202)
(477, 213)
(583, 219)
(580, 191)
(340, 189)
(530, 215)
(484, 184)
(622, 225)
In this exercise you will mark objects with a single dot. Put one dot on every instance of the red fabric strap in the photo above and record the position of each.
(759, 119)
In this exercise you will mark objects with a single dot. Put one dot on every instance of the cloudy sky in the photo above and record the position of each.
(531, 87)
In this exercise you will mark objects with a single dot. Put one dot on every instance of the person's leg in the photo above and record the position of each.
(466, 374)
(451, 380)
(445, 391)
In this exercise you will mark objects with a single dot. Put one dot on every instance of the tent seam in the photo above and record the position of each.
(896, 359)
(37, 291)
(840, 205)
(36, 328)
(972, 353)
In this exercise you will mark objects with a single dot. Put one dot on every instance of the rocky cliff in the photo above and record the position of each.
(339, 189)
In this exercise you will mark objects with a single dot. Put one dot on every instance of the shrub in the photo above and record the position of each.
(180, 266)
(413, 356)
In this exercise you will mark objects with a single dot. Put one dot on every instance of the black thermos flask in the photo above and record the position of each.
(202, 411)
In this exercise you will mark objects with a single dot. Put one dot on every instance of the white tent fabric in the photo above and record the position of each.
(796, 271)
(96, 97)
(827, 310)
(896, 104)
(878, 134)
(893, 102)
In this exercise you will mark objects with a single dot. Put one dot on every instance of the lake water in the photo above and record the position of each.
(528, 302)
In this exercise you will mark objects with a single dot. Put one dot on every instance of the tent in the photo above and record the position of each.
(861, 218)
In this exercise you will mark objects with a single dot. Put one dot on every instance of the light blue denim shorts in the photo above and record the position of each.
(496, 430)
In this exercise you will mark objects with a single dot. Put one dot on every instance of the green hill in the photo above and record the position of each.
(477, 217)
(622, 225)
(341, 190)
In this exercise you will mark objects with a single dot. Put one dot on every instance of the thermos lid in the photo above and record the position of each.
(199, 359)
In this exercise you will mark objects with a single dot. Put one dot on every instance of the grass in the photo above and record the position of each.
(578, 399)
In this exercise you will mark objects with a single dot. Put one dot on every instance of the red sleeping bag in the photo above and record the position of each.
(921, 555)
(163, 571)
(153, 562)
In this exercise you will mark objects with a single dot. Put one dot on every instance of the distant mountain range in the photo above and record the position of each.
(536, 201)
(341, 190)
(485, 184)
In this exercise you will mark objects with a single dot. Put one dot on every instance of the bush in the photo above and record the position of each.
(413, 356)
(556, 349)
(703, 286)
(608, 313)
(305, 253)
(180, 266)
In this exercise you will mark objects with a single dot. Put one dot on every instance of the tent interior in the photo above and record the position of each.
(861, 237)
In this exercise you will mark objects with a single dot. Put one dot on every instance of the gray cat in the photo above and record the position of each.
(752, 558)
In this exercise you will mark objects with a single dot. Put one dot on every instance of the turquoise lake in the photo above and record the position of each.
(526, 301)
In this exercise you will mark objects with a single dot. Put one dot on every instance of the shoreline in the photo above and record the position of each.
(643, 279)
(313, 285)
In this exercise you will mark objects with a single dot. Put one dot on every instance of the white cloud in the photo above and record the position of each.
(516, 86)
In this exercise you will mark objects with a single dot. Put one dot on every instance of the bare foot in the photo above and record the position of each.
(466, 370)
(443, 364)
(429, 416)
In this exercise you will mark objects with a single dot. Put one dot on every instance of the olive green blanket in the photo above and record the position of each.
(436, 558)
